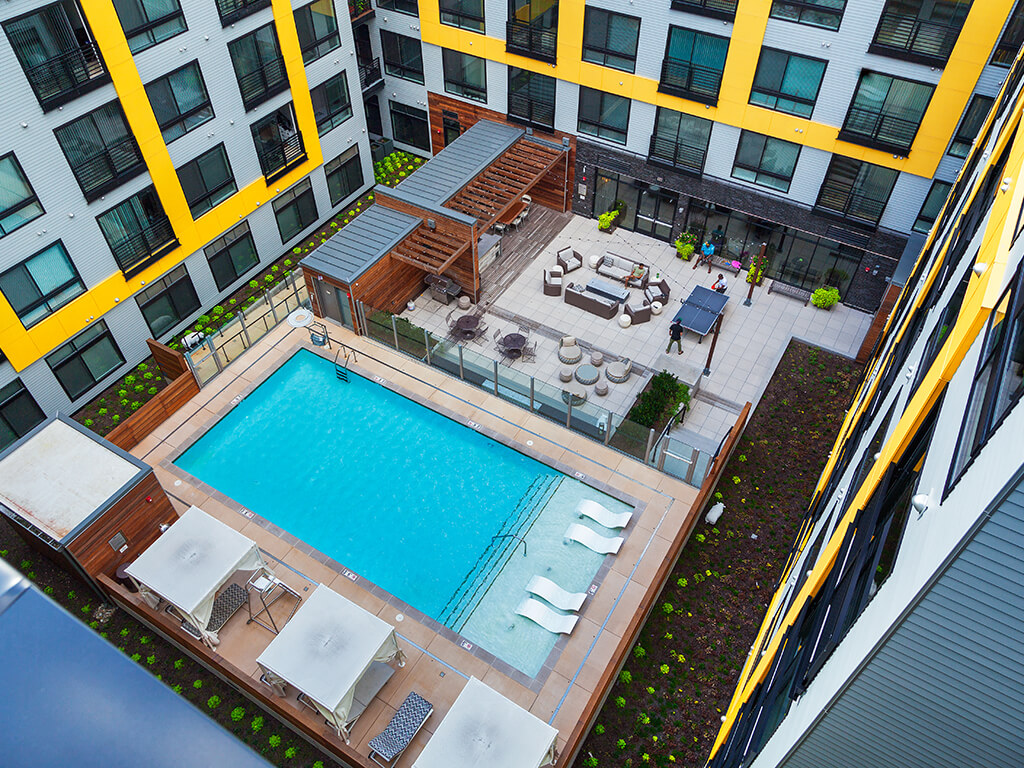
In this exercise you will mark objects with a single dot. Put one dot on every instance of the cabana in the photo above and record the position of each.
(485, 728)
(189, 563)
(335, 653)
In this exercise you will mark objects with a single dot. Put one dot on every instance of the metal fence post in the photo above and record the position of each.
(661, 456)
(568, 412)
(462, 372)
(495, 378)
(245, 328)
(426, 343)
(273, 311)
(531, 394)
(295, 289)
(394, 330)
(608, 427)
(650, 445)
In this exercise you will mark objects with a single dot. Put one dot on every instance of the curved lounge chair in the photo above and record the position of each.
(618, 372)
(390, 743)
(591, 539)
(554, 594)
(569, 351)
(551, 620)
(602, 515)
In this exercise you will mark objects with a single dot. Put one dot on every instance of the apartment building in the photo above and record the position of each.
(894, 637)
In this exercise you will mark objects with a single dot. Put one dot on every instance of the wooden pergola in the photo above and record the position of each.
(429, 251)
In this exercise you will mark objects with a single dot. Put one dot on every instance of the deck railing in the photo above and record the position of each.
(528, 40)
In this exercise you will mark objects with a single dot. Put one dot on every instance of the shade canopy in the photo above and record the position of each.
(483, 728)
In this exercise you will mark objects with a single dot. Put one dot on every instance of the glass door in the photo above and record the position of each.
(654, 214)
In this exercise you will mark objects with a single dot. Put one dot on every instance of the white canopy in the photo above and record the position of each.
(326, 648)
(191, 561)
(483, 728)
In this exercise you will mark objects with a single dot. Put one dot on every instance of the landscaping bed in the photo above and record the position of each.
(667, 705)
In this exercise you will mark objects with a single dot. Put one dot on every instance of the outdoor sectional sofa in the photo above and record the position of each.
(618, 268)
(578, 296)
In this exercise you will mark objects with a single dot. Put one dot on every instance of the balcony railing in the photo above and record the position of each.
(670, 152)
(908, 37)
(360, 10)
(691, 81)
(135, 251)
(533, 112)
(67, 75)
(370, 76)
(278, 157)
(528, 40)
(109, 168)
(260, 84)
(232, 10)
(879, 130)
(852, 206)
(718, 9)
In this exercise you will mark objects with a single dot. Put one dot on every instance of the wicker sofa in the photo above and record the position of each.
(578, 296)
(619, 268)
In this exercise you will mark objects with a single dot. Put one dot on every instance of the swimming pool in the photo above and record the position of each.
(404, 497)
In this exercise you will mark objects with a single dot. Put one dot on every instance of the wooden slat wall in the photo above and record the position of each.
(551, 191)
(140, 424)
(389, 284)
(875, 329)
(172, 363)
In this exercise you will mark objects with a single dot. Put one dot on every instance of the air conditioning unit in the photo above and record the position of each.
(380, 148)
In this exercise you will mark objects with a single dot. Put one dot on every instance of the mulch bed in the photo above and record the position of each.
(667, 705)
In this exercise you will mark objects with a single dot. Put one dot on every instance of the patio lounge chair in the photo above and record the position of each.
(551, 620)
(591, 539)
(552, 281)
(569, 260)
(638, 313)
(390, 743)
(554, 594)
(569, 351)
(658, 291)
(602, 515)
(618, 372)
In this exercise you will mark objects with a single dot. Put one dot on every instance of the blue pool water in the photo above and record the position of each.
(405, 497)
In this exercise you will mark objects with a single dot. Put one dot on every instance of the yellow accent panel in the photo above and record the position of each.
(23, 347)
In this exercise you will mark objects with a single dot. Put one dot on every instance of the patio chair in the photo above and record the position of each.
(554, 594)
(638, 313)
(518, 220)
(552, 621)
(529, 353)
(498, 335)
(618, 372)
(602, 515)
(527, 199)
(658, 291)
(568, 260)
(552, 281)
(569, 351)
(591, 539)
(451, 318)
(390, 743)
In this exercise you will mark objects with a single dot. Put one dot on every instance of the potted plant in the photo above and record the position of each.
(825, 297)
(755, 272)
(685, 244)
(606, 221)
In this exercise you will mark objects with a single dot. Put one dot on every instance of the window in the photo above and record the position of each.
(101, 150)
(765, 161)
(410, 125)
(972, 121)
(180, 101)
(344, 175)
(148, 22)
(19, 413)
(137, 231)
(41, 284)
(856, 190)
(465, 75)
(278, 141)
(331, 103)
(403, 56)
(231, 11)
(232, 255)
(693, 65)
(258, 66)
(886, 112)
(816, 13)
(317, 28)
(207, 180)
(402, 6)
(604, 115)
(84, 361)
(1011, 40)
(610, 39)
(531, 98)
(532, 29)
(920, 31)
(932, 205)
(680, 140)
(168, 301)
(295, 209)
(468, 14)
(717, 9)
(18, 202)
(786, 82)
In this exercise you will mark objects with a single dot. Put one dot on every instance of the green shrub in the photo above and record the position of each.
(257, 724)
(197, 684)
(213, 702)
(606, 219)
(685, 251)
(666, 393)
(625, 677)
(274, 741)
(825, 298)
(237, 714)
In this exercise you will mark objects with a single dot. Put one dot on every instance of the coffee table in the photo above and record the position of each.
(587, 374)
(608, 290)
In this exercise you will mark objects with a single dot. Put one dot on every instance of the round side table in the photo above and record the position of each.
(625, 321)
(656, 308)
(596, 358)
(593, 261)
(565, 374)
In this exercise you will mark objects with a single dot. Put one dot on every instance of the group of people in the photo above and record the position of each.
(675, 330)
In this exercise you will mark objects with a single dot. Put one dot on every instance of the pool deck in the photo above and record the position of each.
(437, 666)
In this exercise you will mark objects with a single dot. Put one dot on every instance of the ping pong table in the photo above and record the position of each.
(700, 310)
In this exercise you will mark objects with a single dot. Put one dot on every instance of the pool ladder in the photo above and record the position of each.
(341, 368)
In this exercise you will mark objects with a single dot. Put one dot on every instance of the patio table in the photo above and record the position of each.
(608, 290)
(513, 344)
(466, 326)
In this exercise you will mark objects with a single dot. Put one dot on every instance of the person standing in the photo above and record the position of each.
(675, 336)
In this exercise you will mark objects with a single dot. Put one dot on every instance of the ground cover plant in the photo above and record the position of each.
(666, 706)
(122, 398)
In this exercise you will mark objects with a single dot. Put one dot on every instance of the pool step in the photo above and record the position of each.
(341, 372)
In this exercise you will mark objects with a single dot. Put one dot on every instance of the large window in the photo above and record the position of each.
(137, 231)
(972, 121)
(317, 28)
(148, 22)
(919, 30)
(41, 284)
(168, 301)
(403, 56)
(610, 39)
(232, 255)
(331, 103)
(680, 140)
(468, 14)
(531, 98)
(932, 205)
(18, 201)
(402, 6)
(786, 82)
(886, 112)
(84, 361)
(180, 101)
(604, 115)
(344, 175)
(410, 125)
(816, 13)
(19, 413)
(1011, 40)
(231, 11)
(101, 150)
(465, 75)
(295, 209)
(278, 142)
(258, 66)
(207, 180)
(765, 161)
(856, 190)
(693, 65)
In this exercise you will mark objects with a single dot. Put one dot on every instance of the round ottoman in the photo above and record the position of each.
(625, 321)
(601, 389)
(656, 308)
(574, 393)
(565, 374)
(596, 358)
(587, 374)
(593, 261)
(464, 302)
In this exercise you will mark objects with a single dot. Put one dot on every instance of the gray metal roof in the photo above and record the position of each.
(362, 243)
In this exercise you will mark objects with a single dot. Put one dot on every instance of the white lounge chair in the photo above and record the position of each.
(601, 514)
(591, 539)
(551, 620)
(554, 594)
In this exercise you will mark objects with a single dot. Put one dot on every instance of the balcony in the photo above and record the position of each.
(370, 77)
(669, 152)
(58, 80)
(853, 207)
(280, 156)
(716, 9)
(691, 81)
(532, 112)
(360, 11)
(232, 10)
(109, 168)
(913, 39)
(262, 83)
(528, 40)
(879, 130)
(141, 248)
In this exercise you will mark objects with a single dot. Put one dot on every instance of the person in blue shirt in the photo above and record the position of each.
(707, 249)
